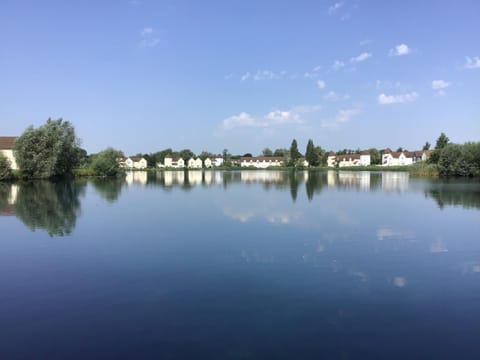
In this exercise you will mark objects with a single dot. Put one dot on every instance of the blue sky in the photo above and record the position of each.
(143, 75)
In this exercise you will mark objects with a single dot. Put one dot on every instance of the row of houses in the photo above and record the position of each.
(399, 158)
(346, 160)
(192, 163)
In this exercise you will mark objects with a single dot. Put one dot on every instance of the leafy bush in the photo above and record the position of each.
(460, 160)
(105, 163)
(5, 169)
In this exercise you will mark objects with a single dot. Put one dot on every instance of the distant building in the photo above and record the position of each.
(6, 149)
(194, 163)
(400, 158)
(347, 160)
(208, 163)
(133, 162)
(171, 162)
(261, 162)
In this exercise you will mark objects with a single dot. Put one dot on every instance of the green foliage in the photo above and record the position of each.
(50, 150)
(294, 153)
(426, 146)
(375, 156)
(267, 152)
(310, 155)
(280, 152)
(423, 169)
(105, 163)
(442, 141)
(5, 168)
(460, 160)
(186, 154)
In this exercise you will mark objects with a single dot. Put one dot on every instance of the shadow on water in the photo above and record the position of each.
(455, 193)
(44, 205)
(109, 189)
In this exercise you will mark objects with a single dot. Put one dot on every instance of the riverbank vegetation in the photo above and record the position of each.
(53, 150)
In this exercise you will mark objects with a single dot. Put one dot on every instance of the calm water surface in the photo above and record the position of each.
(241, 265)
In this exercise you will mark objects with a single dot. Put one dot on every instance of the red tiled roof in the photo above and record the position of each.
(7, 142)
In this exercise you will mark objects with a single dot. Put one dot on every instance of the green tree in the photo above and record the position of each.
(310, 154)
(5, 168)
(442, 141)
(294, 153)
(186, 154)
(105, 163)
(375, 156)
(460, 160)
(48, 151)
(267, 152)
(280, 152)
(426, 146)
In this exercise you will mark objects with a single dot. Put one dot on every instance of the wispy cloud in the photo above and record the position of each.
(397, 99)
(262, 75)
(273, 118)
(472, 63)
(337, 65)
(333, 96)
(343, 116)
(400, 50)
(149, 38)
(314, 73)
(335, 7)
(321, 84)
(439, 86)
(362, 57)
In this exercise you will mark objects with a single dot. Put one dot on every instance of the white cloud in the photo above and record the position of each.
(245, 76)
(362, 57)
(146, 31)
(397, 99)
(267, 75)
(400, 50)
(148, 38)
(273, 118)
(333, 96)
(472, 63)
(337, 65)
(343, 116)
(229, 76)
(321, 84)
(333, 9)
(440, 84)
(242, 119)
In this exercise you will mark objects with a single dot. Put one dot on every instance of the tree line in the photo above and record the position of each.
(53, 150)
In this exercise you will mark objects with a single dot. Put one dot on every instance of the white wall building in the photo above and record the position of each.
(261, 162)
(6, 149)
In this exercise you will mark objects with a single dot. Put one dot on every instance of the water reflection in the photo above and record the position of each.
(465, 194)
(110, 189)
(49, 206)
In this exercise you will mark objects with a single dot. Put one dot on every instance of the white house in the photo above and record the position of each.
(171, 162)
(261, 162)
(208, 163)
(194, 163)
(218, 161)
(346, 160)
(6, 149)
(400, 158)
(134, 162)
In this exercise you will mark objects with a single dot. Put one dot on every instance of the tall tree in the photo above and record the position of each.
(294, 153)
(310, 154)
(426, 146)
(442, 141)
(48, 151)
(375, 156)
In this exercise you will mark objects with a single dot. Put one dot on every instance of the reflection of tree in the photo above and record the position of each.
(314, 183)
(49, 206)
(465, 195)
(292, 178)
(109, 188)
(375, 181)
(4, 194)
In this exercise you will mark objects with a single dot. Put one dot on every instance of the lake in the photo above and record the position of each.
(241, 265)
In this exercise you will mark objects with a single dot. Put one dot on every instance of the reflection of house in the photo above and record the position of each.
(6, 149)
(261, 162)
(171, 162)
(263, 177)
(399, 158)
(194, 177)
(139, 177)
(345, 160)
(395, 181)
(349, 179)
